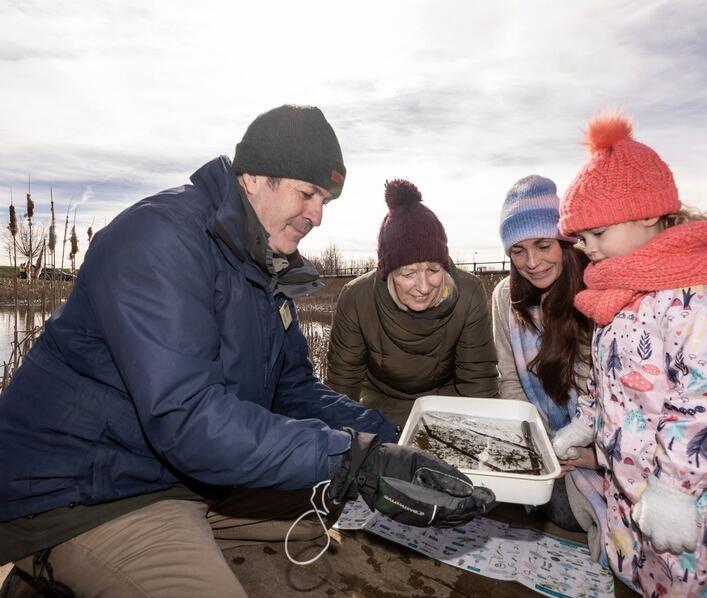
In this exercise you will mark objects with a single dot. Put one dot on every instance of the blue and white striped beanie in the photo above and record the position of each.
(530, 211)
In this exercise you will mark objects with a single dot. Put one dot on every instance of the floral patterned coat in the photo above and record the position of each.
(648, 403)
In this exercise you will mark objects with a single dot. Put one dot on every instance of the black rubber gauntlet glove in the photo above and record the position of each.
(407, 484)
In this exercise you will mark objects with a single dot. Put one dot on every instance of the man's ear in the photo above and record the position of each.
(249, 182)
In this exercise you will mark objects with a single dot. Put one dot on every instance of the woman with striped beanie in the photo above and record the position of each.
(542, 341)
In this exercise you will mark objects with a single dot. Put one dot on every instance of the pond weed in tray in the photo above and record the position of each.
(499, 444)
(479, 443)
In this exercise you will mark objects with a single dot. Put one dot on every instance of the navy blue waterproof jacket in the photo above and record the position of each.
(168, 363)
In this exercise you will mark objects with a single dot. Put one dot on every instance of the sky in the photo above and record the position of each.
(108, 102)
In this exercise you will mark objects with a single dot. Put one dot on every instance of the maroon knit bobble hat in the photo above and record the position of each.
(410, 232)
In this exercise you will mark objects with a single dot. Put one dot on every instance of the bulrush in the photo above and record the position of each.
(13, 222)
(74, 249)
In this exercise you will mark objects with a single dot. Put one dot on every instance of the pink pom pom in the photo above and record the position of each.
(607, 129)
(400, 192)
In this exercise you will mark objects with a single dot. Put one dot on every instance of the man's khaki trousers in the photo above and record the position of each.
(173, 548)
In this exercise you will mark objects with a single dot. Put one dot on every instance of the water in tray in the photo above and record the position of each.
(476, 443)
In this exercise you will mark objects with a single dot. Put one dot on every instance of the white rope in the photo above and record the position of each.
(318, 512)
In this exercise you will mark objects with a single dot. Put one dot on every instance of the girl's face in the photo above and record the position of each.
(539, 261)
(617, 240)
(418, 285)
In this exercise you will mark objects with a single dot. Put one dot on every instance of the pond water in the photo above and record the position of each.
(26, 320)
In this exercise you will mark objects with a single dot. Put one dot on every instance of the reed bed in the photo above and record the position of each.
(34, 284)
(32, 302)
(49, 293)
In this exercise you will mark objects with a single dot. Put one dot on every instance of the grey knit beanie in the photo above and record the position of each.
(294, 142)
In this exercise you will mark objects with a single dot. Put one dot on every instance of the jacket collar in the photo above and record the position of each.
(237, 225)
(228, 221)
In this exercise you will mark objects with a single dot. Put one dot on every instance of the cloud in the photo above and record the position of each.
(126, 98)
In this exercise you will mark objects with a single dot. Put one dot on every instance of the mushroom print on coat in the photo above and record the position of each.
(649, 376)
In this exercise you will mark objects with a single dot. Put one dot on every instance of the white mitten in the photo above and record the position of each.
(667, 516)
(566, 440)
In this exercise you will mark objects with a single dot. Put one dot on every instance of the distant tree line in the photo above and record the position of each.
(331, 262)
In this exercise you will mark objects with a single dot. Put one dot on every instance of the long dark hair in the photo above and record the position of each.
(567, 333)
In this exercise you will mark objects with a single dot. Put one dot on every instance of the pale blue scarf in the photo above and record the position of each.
(525, 343)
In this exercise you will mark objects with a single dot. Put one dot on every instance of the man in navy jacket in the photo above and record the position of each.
(177, 370)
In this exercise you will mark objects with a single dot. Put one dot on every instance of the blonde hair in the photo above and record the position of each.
(682, 216)
(448, 287)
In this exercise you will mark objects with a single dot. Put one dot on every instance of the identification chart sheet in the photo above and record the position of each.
(546, 564)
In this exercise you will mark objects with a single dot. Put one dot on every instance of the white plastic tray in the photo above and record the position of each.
(509, 487)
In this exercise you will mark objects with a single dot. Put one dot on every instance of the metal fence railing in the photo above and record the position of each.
(502, 266)
(476, 267)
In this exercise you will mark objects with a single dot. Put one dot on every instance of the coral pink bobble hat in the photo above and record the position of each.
(623, 180)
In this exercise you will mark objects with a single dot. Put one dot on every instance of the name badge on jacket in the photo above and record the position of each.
(285, 315)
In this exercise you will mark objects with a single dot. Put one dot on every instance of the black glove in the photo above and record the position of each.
(407, 484)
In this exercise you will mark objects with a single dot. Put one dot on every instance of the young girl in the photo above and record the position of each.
(646, 409)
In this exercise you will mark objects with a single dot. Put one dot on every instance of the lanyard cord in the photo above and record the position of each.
(318, 512)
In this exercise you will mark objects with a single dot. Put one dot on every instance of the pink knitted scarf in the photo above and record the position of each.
(675, 258)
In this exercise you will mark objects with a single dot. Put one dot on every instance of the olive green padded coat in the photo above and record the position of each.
(382, 355)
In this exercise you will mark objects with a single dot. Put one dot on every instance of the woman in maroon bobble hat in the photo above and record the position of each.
(415, 326)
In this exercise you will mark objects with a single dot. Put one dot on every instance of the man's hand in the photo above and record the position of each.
(569, 439)
(667, 516)
(407, 484)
